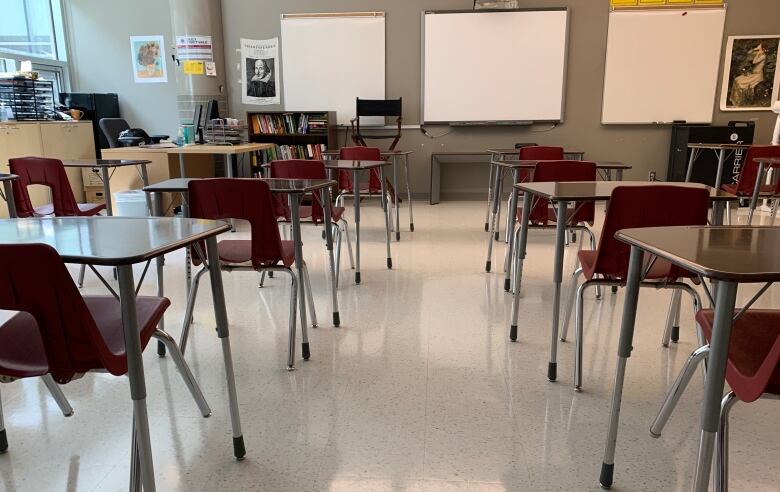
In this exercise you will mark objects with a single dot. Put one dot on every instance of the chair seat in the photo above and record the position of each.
(239, 251)
(766, 190)
(85, 209)
(552, 216)
(108, 318)
(660, 269)
(753, 336)
(21, 349)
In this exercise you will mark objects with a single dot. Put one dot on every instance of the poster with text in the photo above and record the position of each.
(260, 71)
(751, 79)
(194, 48)
(148, 58)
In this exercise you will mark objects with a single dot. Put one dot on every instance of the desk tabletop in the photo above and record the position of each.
(354, 165)
(517, 151)
(384, 153)
(602, 190)
(717, 146)
(8, 177)
(530, 164)
(90, 163)
(737, 254)
(110, 241)
(180, 185)
(219, 149)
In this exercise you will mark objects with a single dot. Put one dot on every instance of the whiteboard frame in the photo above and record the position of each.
(723, 7)
(494, 122)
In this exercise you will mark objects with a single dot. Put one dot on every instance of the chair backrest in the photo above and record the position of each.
(360, 153)
(34, 280)
(549, 171)
(646, 206)
(378, 107)
(749, 170)
(244, 199)
(300, 169)
(111, 128)
(46, 172)
(541, 153)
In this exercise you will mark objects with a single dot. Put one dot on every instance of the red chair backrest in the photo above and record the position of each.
(541, 153)
(300, 169)
(34, 280)
(548, 171)
(243, 199)
(360, 154)
(646, 206)
(46, 172)
(749, 170)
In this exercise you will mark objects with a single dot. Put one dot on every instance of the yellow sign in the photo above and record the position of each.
(193, 67)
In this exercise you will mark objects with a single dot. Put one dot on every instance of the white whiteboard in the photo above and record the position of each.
(330, 60)
(662, 66)
(498, 66)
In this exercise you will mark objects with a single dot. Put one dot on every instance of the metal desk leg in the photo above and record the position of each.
(760, 176)
(691, 160)
(560, 238)
(490, 195)
(185, 212)
(713, 386)
(229, 174)
(397, 205)
(500, 191)
(619, 175)
(220, 313)
(135, 373)
(625, 345)
(356, 205)
(511, 244)
(157, 211)
(145, 179)
(386, 210)
(719, 176)
(522, 241)
(326, 200)
(107, 190)
(496, 205)
(408, 192)
(9, 198)
(295, 219)
(182, 172)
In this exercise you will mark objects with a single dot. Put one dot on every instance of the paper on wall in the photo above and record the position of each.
(194, 48)
(148, 59)
(211, 69)
(260, 71)
(193, 67)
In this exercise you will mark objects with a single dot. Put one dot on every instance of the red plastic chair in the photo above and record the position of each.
(374, 181)
(632, 207)
(752, 372)
(308, 169)
(51, 173)
(538, 153)
(249, 200)
(748, 174)
(61, 333)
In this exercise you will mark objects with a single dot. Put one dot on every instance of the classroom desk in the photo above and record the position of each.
(395, 156)
(105, 165)
(763, 163)
(560, 194)
(121, 242)
(730, 255)
(8, 194)
(229, 151)
(720, 150)
(356, 167)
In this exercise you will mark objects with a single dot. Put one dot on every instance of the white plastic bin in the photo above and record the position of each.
(130, 203)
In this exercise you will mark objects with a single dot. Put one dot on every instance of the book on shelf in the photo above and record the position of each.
(289, 123)
(279, 152)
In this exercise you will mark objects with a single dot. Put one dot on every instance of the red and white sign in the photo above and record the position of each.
(194, 48)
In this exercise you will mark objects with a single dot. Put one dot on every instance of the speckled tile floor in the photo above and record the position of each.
(418, 390)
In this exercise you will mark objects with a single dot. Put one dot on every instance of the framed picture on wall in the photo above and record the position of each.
(751, 80)
(148, 58)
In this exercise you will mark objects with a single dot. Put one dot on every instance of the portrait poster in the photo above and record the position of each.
(750, 75)
(260, 71)
(148, 58)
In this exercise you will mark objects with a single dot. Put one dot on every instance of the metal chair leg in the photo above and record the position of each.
(291, 322)
(184, 370)
(578, 329)
(82, 270)
(3, 436)
(185, 329)
(728, 213)
(349, 244)
(338, 255)
(722, 450)
(677, 389)
(309, 296)
(672, 319)
(262, 280)
(569, 306)
(58, 395)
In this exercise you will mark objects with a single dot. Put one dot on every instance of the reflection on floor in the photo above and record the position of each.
(418, 390)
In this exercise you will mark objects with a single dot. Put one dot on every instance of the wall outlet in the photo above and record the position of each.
(652, 176)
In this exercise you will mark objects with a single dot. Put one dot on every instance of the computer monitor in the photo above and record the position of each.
(197, 124)
(212, 110)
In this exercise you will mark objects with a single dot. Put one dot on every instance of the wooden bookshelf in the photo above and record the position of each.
(296, 132)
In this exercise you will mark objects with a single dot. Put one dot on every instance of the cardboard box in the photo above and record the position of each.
(94, 194)
(91, 177)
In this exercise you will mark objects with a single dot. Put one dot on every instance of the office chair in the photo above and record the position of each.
(376, 107)
(111, 128)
